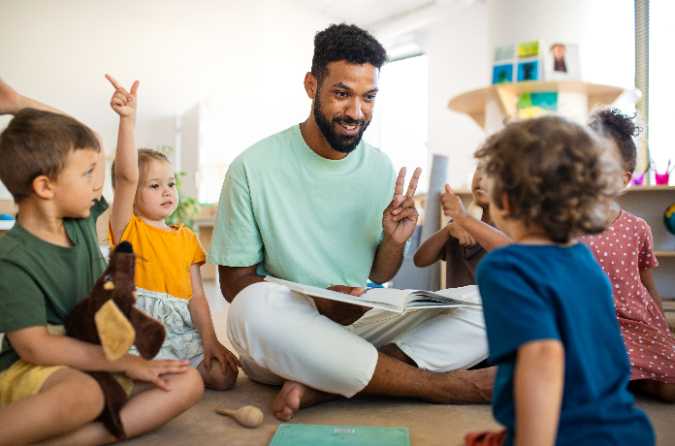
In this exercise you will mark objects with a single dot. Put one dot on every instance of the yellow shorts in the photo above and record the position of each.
(23, 379)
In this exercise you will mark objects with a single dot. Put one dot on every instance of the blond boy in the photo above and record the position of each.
(54, 168)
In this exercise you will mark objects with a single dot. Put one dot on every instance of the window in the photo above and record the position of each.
(399, 123)
(661, 88)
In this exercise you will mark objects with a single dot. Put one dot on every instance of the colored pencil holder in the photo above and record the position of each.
(638, 179)
(662, 179)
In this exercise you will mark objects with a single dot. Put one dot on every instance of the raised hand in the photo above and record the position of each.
(452, 205)
(400, 217)
(124, 103)
(9, 99)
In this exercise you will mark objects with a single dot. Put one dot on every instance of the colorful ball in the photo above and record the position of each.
(669, 218)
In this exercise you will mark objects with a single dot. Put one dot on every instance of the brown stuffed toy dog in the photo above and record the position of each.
(108, 317)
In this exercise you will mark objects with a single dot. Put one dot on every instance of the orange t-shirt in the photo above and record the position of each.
(164, 257)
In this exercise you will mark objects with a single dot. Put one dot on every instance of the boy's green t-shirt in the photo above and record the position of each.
(301, 216)
(41, 282)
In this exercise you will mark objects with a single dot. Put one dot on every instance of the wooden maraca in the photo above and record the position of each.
(247, 416)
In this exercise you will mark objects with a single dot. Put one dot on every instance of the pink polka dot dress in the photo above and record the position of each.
(622, 250)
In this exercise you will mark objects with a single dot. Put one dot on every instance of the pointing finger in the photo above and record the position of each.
(412, 187)
(113, 81)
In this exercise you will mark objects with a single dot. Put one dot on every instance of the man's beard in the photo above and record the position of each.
(340, 143)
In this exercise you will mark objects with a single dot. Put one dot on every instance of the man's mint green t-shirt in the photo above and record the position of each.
(301, 216)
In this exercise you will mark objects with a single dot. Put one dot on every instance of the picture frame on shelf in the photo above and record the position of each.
(561, 62)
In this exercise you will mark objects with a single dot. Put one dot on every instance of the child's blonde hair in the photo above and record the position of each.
(145, 155)
(554, 174)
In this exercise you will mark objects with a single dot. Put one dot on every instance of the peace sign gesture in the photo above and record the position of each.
(125, 104)
(400, 217)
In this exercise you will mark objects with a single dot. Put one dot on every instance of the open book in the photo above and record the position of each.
(392, 299)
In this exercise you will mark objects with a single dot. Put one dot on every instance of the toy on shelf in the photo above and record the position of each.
(669, 218)
(247, 416)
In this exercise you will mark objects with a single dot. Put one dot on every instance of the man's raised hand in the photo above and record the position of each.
(400, 217)
(124, 103)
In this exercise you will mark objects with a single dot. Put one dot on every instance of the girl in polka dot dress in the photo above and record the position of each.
(625, 253)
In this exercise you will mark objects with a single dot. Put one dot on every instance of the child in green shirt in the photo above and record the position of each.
(54, 168)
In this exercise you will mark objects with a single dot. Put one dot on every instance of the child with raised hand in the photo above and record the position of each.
(625, 253)
(562, 367)
(54, 168)
(168, 279)
(453, 243)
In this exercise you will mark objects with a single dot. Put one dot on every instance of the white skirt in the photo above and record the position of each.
(182, 338)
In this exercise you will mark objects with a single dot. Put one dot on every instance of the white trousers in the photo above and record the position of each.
(280, 335)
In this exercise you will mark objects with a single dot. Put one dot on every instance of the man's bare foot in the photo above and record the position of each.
(295, 396)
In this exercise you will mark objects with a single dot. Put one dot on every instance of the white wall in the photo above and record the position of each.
(460, 58)
(457, 48)
(244, 61)
(603, 29)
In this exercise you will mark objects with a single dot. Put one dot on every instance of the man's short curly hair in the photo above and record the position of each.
(610, 122)
(345, 42)
(554, 174)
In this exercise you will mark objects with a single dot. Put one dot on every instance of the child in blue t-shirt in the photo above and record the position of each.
(562, 366)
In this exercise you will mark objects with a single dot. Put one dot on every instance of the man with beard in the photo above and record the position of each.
(313, 204)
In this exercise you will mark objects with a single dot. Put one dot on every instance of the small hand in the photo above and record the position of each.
(149, 371)
(452, 205)
(341, 312)
(400, 217)
(222, 354)
(9, 99)
(456, 231)
(124, 104)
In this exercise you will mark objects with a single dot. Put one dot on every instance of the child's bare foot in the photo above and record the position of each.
(294, 396)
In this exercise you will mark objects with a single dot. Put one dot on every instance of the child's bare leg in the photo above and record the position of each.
(149, 408)
(664, 391)
(68, 400)
(215, 379)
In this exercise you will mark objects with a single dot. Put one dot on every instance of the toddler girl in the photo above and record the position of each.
(168, 278)
(562, 368)
(625, 253)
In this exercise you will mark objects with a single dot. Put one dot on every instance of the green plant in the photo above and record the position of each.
(188, 207)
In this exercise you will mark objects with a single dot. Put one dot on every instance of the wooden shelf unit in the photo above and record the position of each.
(650, 203)
(473, 102)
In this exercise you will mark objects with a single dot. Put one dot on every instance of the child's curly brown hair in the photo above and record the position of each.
(611, 122)
(554, 174)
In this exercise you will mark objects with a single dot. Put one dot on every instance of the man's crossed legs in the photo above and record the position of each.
(282, 339)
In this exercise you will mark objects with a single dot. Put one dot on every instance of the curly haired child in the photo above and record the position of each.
(169, 281)
(625, 253)
(556, 382)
